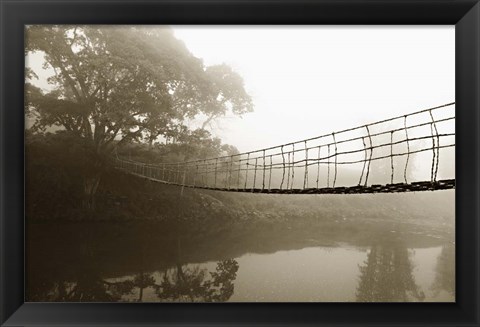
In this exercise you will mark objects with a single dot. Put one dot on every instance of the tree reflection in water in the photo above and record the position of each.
(130, 262)
(386, 275)
(87, 281)
(86, 286)
(192, 284)
(91, 289)
(179, 284)
(143, 281)
(445, 271)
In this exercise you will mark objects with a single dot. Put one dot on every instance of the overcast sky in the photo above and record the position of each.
(311, 80)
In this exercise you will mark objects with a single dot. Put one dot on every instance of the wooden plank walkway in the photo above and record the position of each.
(445, 184)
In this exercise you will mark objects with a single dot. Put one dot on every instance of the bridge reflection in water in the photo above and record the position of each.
(373, 158)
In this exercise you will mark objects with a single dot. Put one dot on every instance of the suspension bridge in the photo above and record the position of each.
(399, 154)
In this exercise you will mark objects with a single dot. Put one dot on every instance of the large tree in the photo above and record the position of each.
(114, 85)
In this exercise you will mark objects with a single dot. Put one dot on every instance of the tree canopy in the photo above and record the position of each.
(113, 85)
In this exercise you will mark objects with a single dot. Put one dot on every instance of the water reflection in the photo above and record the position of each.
(91, 288)
(445, 271)
(192, 284)
(387, 276)
(113, 264)
(178, 284)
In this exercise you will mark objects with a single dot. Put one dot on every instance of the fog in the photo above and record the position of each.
(307, 81)
(128, 200)
(312, 80)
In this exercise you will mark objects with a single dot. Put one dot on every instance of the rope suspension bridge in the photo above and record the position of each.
(400, 154)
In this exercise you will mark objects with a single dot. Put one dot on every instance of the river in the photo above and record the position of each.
(149, 262)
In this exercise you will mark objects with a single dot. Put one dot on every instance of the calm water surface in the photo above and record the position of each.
(92, 263)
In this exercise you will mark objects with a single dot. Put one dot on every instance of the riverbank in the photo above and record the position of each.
(122, 197)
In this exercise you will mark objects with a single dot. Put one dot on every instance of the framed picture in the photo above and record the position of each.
(240, 163)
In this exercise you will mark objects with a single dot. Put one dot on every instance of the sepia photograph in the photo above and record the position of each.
(215, 163)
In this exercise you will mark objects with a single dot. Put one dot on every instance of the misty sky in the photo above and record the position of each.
(307, 81)
(312, 80)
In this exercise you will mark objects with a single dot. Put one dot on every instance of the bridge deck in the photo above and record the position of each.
(445, 184)
(386, 147)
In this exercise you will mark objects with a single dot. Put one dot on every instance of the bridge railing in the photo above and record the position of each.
(395, 151)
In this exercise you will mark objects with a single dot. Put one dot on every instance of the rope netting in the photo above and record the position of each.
(393, 155)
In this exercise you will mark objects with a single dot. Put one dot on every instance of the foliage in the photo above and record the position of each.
(189, 145)
(55, 165)
(126, 83)
(117, 85)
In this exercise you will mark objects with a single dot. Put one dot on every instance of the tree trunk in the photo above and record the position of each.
(90, 189)
(208, 121)
(140, 296)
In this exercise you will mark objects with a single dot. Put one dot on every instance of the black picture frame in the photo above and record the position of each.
(464, 14)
